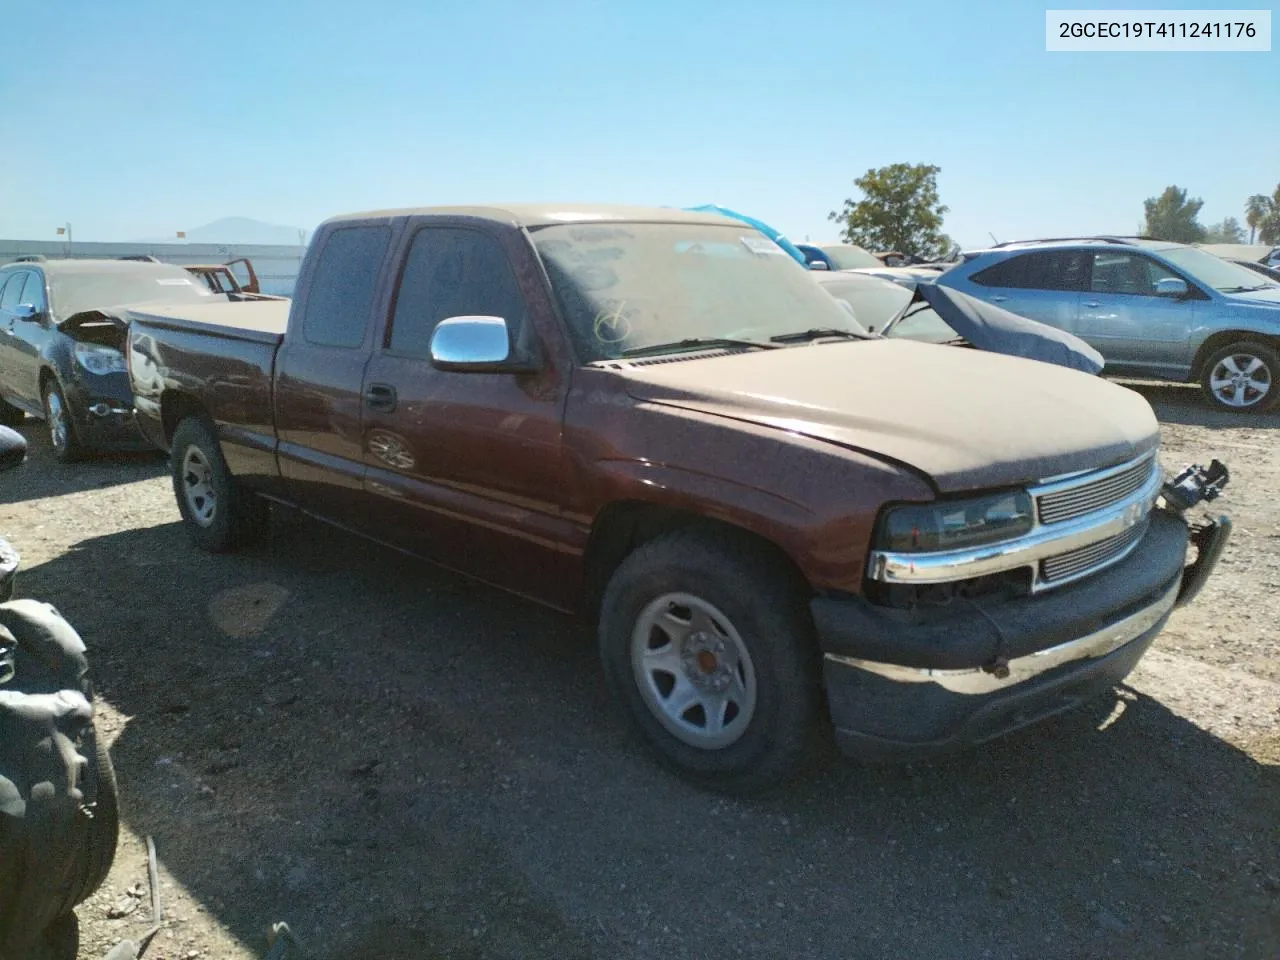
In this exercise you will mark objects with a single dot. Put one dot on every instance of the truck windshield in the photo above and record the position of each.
(74, 291)
(627, 286)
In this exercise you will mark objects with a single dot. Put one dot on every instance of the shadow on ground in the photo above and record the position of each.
(42, 476)
(402, 764)
(1185, 404)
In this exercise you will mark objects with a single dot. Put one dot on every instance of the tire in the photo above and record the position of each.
(1246, 370)
(219, 513)
(63, 438)
(61, 940)
(676, 618)
(104, 833)
(10, 416)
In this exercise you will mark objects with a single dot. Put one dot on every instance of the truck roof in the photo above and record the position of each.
(545, 214)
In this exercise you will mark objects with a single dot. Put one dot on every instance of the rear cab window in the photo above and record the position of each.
(343, 285)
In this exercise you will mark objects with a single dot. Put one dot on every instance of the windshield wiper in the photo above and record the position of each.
(690, 342)
(801, 336)
(1261, 286)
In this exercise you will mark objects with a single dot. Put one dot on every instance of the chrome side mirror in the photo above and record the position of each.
(818, 265)
(474, 345)
(1171, 287)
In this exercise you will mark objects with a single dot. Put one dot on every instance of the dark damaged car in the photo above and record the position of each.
(61, 342)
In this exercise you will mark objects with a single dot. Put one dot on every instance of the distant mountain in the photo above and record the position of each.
(241, 230)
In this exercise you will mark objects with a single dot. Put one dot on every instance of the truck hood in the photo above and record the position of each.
(968, 420)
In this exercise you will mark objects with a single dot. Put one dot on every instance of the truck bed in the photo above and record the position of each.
(260, 321)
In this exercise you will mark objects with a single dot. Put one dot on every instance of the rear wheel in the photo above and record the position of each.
(62, 428)
(708, 644)
(1242, 377)
(219, 513)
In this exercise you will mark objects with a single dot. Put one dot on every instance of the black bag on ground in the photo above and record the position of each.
(59, 819)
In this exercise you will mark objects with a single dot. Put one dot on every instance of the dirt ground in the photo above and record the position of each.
(400, 763)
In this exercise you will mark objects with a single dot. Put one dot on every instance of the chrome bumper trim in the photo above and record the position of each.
(1044, 540)
(976, 681)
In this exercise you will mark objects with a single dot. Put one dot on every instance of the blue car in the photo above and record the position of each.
(1153, 309)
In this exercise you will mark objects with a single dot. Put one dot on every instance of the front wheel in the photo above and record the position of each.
(1242, 377)
(708, 644)
(62, 428)
(219, 513)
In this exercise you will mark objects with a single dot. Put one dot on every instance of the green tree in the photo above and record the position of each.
(1228, 231)
(1171, 216)
(1262, 214)
(899, 210)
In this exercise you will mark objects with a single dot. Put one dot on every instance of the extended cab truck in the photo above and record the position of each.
(656, 418)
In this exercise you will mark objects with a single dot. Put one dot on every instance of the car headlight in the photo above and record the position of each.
(956, 524)
(99, 359)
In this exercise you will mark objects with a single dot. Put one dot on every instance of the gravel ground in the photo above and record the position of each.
(400, 763)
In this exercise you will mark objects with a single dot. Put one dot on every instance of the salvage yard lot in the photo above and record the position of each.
(400, 763)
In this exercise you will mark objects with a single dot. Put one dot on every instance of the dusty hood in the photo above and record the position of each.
(966, 419)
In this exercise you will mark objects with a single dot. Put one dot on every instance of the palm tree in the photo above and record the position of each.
(1262, 214)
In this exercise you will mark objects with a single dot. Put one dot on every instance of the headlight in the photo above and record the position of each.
(99, 359)
(957, 524)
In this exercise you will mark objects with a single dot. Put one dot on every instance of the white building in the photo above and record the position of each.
(277, 266)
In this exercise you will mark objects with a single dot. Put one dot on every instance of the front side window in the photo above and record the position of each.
(624, 287)
(1126, 273)
(340, 301)
(33, 291)
(453, 272)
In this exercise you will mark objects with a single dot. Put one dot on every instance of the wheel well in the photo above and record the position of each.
(1220, 340)
(620, 528)
(176, 407)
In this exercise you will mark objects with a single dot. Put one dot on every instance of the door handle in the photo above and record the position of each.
(380, 397)
(1092, 304)
(998, 299)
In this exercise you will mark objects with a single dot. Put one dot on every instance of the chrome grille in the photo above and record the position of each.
(1095, 556)
(1090, 495)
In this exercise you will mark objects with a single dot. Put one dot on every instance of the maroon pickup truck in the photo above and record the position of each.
(655, 418)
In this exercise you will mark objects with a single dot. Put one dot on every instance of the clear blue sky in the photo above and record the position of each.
(134, 118)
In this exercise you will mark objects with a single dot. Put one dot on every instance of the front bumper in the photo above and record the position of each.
(902, 686)
(102, 408)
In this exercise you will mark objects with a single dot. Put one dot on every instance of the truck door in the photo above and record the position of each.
(320, 370)
(467, 468)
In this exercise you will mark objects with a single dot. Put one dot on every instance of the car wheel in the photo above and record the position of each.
(10, 416)
(219, 513)
(61, 424)
(1242, 377)
(707, 643)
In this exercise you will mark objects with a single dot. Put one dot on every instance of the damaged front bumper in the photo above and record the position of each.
(903, 686)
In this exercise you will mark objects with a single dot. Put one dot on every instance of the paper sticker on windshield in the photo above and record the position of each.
(173, 282)
(762, 245)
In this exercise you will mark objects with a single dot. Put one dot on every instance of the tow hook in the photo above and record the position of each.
(1195, 485)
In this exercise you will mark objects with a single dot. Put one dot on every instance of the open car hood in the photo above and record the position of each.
(996, 330)
(112, 315)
